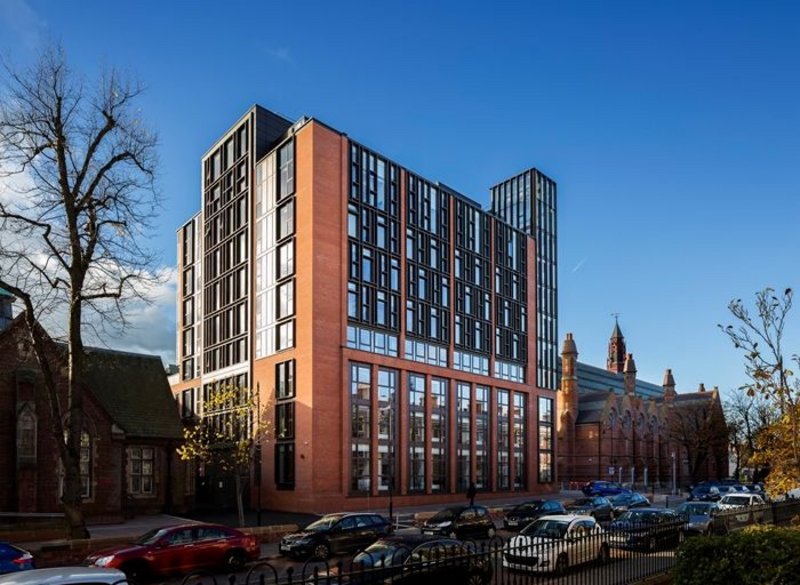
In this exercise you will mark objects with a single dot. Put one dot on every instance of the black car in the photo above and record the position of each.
(702, 518)
(704, 493)
(525, 513)
(647, 529)
(461, 522)
(598, 507)
(335, 534)
(415, 559)
(623, 502)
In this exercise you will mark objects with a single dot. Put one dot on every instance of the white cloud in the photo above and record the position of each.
(22, 21)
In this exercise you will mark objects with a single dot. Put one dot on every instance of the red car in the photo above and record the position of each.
(180, 549)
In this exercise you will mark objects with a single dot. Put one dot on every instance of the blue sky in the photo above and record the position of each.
(672, 128)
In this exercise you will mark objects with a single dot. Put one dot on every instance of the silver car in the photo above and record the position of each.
(65, 576)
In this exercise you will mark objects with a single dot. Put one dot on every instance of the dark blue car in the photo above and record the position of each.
(600, 487)
(13, 559)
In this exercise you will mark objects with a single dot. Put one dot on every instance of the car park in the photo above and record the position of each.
(647, 529)
(180, 549)
(335, 534)
(702, 518)
(461, 522)
(414, 559)
(603, 488)
(621, 503)
(523, 514)
(554, 543)
(66, 576)
(598, 507)
(14, 559)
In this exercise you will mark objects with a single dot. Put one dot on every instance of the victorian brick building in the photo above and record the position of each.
(612, 425)
(131, 430)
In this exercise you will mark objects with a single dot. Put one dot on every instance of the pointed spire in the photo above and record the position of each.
(616, 349)
(569, 346)
(630, 365)
(629, 374)
(617, 332)
(668, 385)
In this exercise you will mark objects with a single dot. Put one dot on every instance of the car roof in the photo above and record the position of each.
(63, 576)
(413, 539)
(652, 509)
(567, 517)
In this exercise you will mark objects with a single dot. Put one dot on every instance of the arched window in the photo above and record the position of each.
(86, 467)
(26, 436)
(612, 419)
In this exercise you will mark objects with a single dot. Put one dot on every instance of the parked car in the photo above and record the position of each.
(603, 488)
(461, 522)
(704, 493)
(13, 559)
(65, 576)
(738, 501)
(597, 506)
(554, 543)
(335, 534)
(646, 529)
(702, 518)
(180, 549)
(413, 559)
(621, 503)
(523, 514)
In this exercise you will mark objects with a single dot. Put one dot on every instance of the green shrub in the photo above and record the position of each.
(754, 557)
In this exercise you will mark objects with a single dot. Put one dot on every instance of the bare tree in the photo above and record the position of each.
(699, 429)
(748, 417)
(77, 166)
(760, 336)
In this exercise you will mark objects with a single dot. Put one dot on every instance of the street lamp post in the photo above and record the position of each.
(673, 474)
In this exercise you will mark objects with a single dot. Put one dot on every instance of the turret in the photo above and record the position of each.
(669, 386)
(629, 374)
(616, 350)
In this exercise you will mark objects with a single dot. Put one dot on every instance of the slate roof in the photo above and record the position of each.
(133, 389)
(594, 379)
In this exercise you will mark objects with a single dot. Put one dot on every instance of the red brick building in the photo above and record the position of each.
(389, 321)
(611, 425)
(131, 430)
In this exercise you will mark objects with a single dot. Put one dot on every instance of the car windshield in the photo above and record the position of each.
(446, 514)
(546, 529)
(151, 536)
(637, 517)
(693, 509)
(323, 523)
(620, 499)
(381, 553)
(736, 500)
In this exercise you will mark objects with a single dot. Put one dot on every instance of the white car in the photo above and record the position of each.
(737, 501)
(553, 543)
(65, 576)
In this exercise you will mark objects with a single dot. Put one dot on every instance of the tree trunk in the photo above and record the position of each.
(239, 502)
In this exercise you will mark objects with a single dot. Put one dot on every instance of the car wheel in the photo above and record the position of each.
(491, 532)
(561, 564)
(136, 571)
(234, 561)
(322, 551)
(603, 555)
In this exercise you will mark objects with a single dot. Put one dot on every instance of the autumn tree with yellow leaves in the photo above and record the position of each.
(227, 434)
(760, 335)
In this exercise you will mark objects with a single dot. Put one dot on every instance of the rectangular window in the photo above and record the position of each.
(545, 432)
(284, 465)
(360, 426)
(285, 264)
(503, 442)
(285, 220)
(141, 471)
(286, 170)
(285, 294)
(284, 420)
(416, 429)
(284, 380)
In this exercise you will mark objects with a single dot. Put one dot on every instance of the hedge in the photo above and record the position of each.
(760, 556)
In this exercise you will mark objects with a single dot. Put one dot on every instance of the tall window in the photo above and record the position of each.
(481, 437)
(387, 431)
(520, 432)
(503, 442)
(463, 435)
(26, 436)
(439, 391)
(141, 471)
(360, 400)
(416, 429)
(86, 466)
(284, 424)
(545, 440)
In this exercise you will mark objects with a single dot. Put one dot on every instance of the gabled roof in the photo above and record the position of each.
(593, 379)
(133, 389)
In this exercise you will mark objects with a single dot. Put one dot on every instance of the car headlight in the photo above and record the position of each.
(445, 524)
(103, 561)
